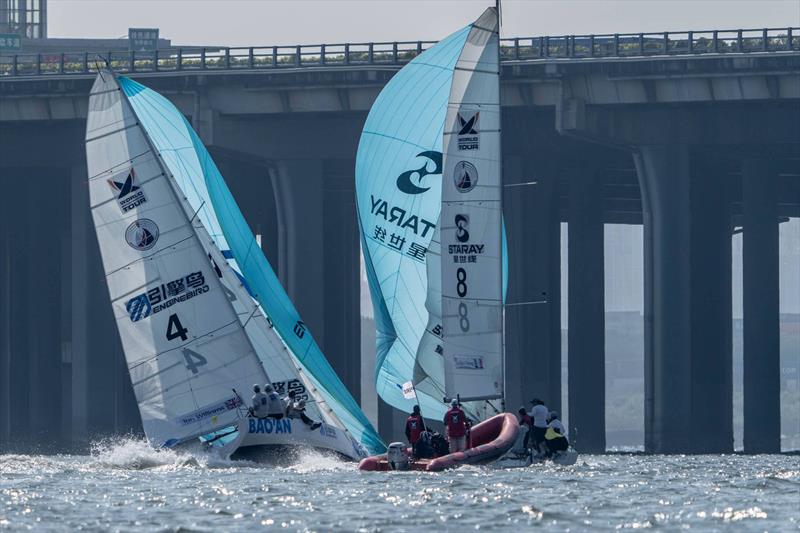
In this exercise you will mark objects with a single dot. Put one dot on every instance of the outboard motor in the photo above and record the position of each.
(397, 456)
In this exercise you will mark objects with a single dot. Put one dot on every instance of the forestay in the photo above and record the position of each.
(185, 347)
(471, 221)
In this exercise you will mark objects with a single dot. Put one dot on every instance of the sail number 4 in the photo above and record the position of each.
(175, 330)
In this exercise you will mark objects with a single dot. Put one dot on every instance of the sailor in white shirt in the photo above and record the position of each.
(274, 403)
(259, 403)
(539, 414)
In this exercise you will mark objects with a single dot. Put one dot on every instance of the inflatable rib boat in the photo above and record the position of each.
(491, 439)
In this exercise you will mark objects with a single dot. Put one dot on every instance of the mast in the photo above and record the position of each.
(471, 221)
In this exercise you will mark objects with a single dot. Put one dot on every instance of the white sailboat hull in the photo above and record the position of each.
(256, 435)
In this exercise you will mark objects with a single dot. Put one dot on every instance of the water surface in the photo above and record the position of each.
(125, 485)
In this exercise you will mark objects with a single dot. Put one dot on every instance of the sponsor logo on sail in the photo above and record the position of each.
(468, 133)
(142, 234)
(465, 176)
(210, 411)
(462, 225)
(399, 217)
(129, 195)
(468, 362)
(406, 180)
(327, 431)
(139, 307)
(166, 295)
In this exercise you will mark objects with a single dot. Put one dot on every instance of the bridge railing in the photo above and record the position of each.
(397, 53)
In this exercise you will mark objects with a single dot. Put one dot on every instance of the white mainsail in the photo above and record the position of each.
(471, 221)
(186, 350)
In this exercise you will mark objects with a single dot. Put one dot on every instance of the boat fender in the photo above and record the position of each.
(397, 457)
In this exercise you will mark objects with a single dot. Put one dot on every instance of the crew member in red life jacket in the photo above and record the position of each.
(414, 428)
(455, 423)
(527, 422)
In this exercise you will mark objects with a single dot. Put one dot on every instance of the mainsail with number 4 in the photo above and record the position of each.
(200, 312)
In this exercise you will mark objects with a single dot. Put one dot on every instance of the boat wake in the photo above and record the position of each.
(307, 460)
(137, 454)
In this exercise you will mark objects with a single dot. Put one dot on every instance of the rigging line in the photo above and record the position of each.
(255, 310)
(196, 212)
(534, 302)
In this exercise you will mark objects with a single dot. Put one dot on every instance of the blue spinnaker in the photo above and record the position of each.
(189, 161)
(398, 190)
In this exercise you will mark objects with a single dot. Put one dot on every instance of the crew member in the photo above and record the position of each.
(455, 423)
(274, 405)
(556, 435)
(297, 409)
(259, 408)
(526, 423)
(539, 414)
(414, 428)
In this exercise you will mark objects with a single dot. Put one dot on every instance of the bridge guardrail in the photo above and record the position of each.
(620, 45)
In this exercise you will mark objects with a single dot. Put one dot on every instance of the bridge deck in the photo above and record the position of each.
(544, 48)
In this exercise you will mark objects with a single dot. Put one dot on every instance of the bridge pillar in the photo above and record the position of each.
(762, 423)
(533, 313)
(586, 338)
(319, 239)
(687, 303)
(711, 309)
(5, 318)
(80, 220)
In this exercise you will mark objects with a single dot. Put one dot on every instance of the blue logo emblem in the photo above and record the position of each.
(404, 182)
(139, 307)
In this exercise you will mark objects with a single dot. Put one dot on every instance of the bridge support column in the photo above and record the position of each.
(5, 319)
(711, 309)
(342, 282)
(81, 233)
(687, 303)
(762, 421)
(319, 239)
(586, 312)
(533, 313)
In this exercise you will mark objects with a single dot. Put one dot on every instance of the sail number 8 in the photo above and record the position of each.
(461, 289)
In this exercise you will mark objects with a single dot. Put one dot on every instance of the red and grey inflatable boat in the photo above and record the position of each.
(490, 439)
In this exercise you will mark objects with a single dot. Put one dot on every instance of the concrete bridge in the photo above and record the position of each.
(694, 135)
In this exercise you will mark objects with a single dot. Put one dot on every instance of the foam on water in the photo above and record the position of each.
(308, 460)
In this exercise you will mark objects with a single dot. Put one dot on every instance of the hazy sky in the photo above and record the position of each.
(270, 22)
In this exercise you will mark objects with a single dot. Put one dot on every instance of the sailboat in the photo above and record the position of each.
(200, 312)
(429, 196)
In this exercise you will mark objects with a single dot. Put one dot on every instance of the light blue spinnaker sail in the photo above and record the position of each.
(207, 193)
(398, 189)
(399, 177)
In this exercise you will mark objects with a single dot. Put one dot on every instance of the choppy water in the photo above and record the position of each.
(126, 485)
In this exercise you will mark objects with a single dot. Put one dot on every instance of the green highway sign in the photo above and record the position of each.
(10, 41)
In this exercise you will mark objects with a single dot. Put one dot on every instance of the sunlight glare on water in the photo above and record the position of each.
(125, 484)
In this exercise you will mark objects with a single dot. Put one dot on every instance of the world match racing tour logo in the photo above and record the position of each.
(166, 295)
(129, 195)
